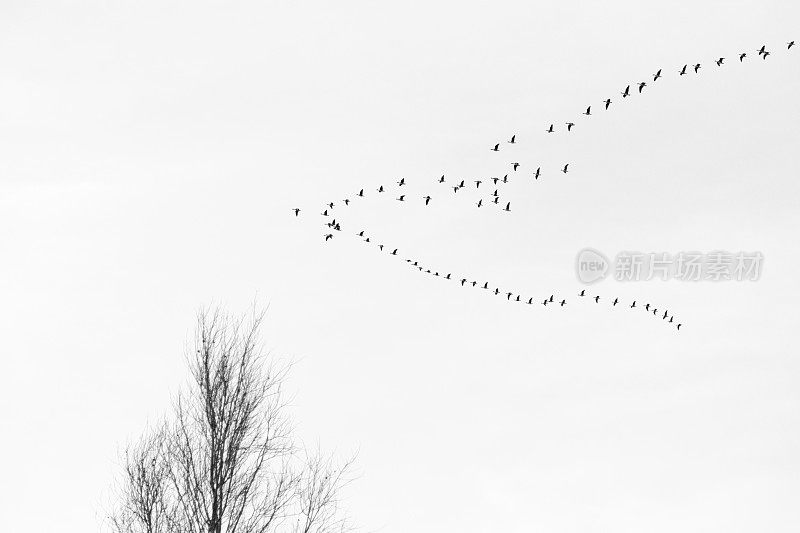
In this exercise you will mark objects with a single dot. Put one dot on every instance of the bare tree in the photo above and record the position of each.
(227, 462)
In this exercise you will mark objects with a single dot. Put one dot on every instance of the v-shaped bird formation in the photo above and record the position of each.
(488, 191)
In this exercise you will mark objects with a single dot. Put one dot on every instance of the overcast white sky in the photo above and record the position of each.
(150, 154)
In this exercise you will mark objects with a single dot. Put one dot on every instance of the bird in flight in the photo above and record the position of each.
(496, 148)
(665, 315)
(296, 211)
(463, 281)
(647, 307)
(380, 189)
(642, 85)
(790, 43)
(588, 111)
(633, 304)
(455, 189)
(679, 327)
(762, 49)
(538, 172)
(461, 185)
(765, 55)
(608, 102)
(544, 302)
(427, 199)
(569, 126)
(742, 56)
(401, 182)
(530, 301)
(515, 166)
(480, 202)
(330, 205)
(346, 201)
(564, 170)
(329, 236)
(324, 213)
(508, 207)
(583, 293)
(627, 92)
(505, 178)
(683, 70)
(402, 198)
(696, 68)
(657, 75)
(720, 61)
(441, 180)
(550, 129)
(616, 301)
(508, 296)
(551, 298)
(563, 303)
(513, 139)
(597, 298)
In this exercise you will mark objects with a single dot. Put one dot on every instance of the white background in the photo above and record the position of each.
(150, 155)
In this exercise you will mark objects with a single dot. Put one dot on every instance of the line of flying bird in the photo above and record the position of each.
(494, 197)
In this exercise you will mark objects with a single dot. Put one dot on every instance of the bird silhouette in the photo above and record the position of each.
(508, 296)
(530, 301)
(633, 304)
(474, 283)
(505, 178)
(537, 173)
(642, 85)
(360, 233)
(486, 285)
(496, 291)
(296, 211)
(764, 55)
(563, 303)
(762, 49)
(380, 189)
(588, 111)
(544, 302)
(679, 327)
(329, 236)
(480, 202)
(496, 200)
(616, 301)
(508, 207)
(647, 307)
(361, 193)
(463, 281)
(330, 205)
(627, 92)
(564, 170)
(657, 75)
(496, 148)
(569, 126)
(790, 43)
(455, 189)
(441, 180)
(608, 102)
(401, 182)
(583, 293)
(551, 298)
(742, 56)
(427, 199)
(683, 70)
(402, 198)
(597, 298)
(696, 68)
(655, 310)
(550, 129)
(346, 201)
(665, 315)
(324, 213)
(513, 139)
(447, 276)
(720, 61)
(461, 185)
(478, 184)
(515, 166)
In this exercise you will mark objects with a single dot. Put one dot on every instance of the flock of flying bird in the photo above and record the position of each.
(494, 197)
